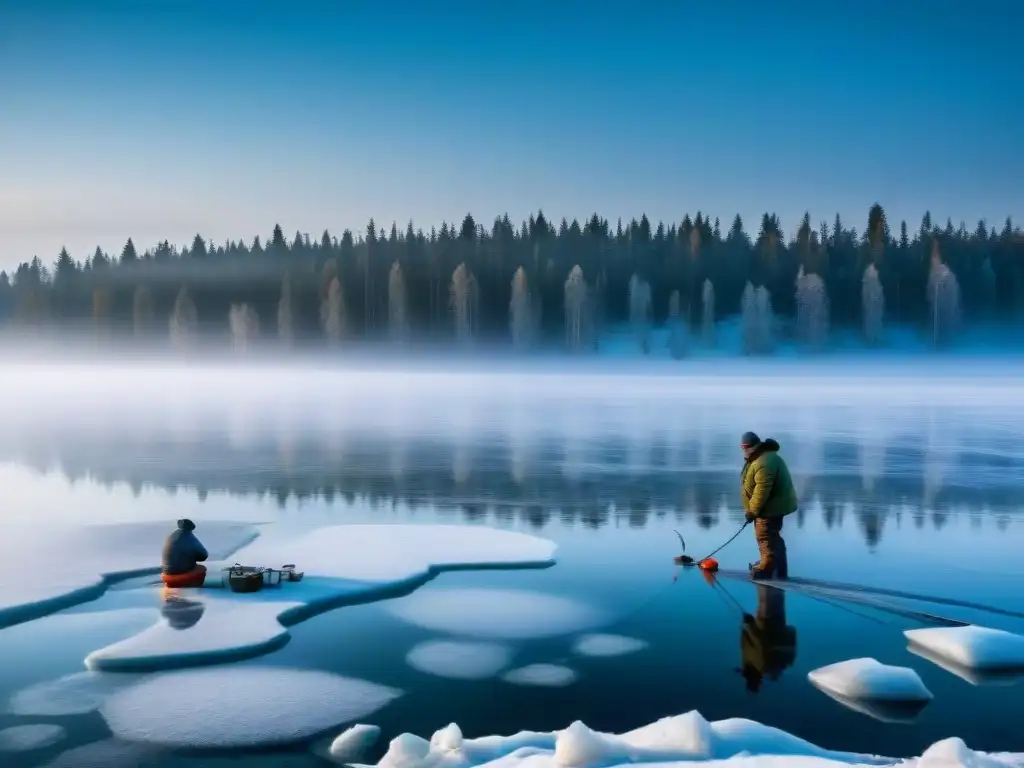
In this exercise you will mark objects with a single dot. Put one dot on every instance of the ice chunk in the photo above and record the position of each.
(77, 694)
(459, 660)
(973, 647)
(353, 743)
(548, 675)
(673, 742)
(70, 565)
(343, 565)
(24, 738)
(496, 613)
(869, 679)
(448, 739)
(239, 706)
(607, 645)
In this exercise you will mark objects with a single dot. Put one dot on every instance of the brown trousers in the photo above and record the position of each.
(771, 545)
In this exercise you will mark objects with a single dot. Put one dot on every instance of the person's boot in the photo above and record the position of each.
(782, 566)
(763, 571)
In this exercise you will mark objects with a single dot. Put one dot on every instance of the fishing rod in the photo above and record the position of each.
(707, 563)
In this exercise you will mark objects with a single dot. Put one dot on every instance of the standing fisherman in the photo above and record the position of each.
(768, 496)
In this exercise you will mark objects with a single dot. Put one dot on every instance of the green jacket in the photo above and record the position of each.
(766, 485)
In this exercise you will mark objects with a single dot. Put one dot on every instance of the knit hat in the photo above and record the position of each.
(749, 440)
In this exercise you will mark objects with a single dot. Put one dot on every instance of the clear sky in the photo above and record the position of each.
(160, 119)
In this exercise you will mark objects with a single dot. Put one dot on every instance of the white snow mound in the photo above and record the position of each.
(352, 743)
(77, 694)
(232, 707)
(510, 614)
(459, 660)
(24, 738)
(869, 679)
(973, 647)
(672, 742)
(607, 645)
(546, 675)
(342, 564)
(81, 561)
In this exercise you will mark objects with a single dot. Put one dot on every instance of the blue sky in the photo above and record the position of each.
(159, 119)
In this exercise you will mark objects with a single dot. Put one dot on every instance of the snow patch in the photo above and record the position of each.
(869, 679)
(459, 660)
(354, 742)
(24, 738)
(234, 707)
(77, 694)
(80, 562)
(972, 647)
(672, 742)
(496, 613)
(607, 645)
(548, 675)
(343, 565)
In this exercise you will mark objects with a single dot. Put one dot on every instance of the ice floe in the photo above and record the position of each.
(72, 565)
(508, 614)
(343, 565)
(24, 738)
(870, 679)
(971, 647)
(239, 706)
(607, 645)
(459, 660)
(353, 743)
(77, 694)
(547, 675)
(672, 742)
(880, 691)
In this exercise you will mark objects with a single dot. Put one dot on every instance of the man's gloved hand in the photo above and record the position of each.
(749, 516)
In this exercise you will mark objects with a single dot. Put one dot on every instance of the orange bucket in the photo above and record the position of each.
(708, 564)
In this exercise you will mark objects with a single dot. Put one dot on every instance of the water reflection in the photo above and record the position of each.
(767, 642)
(180, 612)
(591, 461)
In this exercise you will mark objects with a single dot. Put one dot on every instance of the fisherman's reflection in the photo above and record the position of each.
(180, 612)
(767, 642)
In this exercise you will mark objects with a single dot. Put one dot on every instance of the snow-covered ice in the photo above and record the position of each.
(239, 706)
(607, 645)
(343, 564)
(509, 614)
(24, 738)
(44, 569)
(547, 675)
(459, 660)
(672, 742)
(107, 753)
(973, 647)
(77, 694)
(977, 677)
(880, 691)
(870, 679)
(353, 743)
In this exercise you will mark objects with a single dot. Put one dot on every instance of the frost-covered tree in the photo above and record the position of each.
(522, 316)
(872, 299)
(184, 320)
(332, 312)
(285, 313)
(244, 324)
(576, 310)
(707, 322)
(398, 321)
(464, 297)
(943, 299)
(812, 309)
(757, 320)
(676, 326)
(640, 311)
(142, 310)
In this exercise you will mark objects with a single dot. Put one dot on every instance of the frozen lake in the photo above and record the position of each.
(909, 479)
